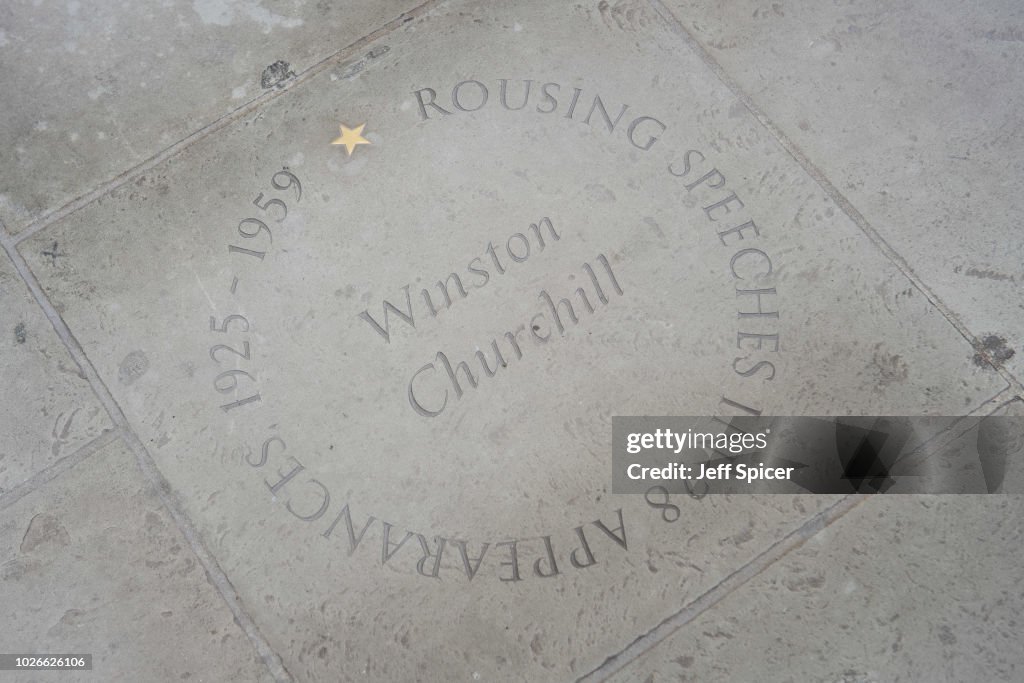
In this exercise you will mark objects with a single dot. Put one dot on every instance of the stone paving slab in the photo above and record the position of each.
(903, 588)
(93, 89)
(92, 563)
(48, 411)
(382, 520)
(914, 111)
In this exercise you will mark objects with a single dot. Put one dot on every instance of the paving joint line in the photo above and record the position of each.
(48, 474)
(214, 573)
(816, 174)
(45, 221)
(999, 400)
(721, 590)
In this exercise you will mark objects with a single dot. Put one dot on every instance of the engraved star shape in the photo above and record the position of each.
(351, 138)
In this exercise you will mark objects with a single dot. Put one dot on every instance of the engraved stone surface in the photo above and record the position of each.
(915, 111)
(104, 86)
(379, 378)
(278, 319)
(917, 588)
(48, 410)
(92, 563)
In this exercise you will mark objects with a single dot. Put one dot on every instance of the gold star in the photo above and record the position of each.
(351, 137)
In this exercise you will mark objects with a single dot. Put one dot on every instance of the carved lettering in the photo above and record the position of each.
(353, 539)
(388, 549)
(452, 289)
(551, 567)
(461, 376)
(481, 91)
(473, 95)
(285, 478)
(325, 502)
(424, 105)
(585, 547)
(513, 562)
(504, 94)
(434, 568)
(471, 565)
(385, 331)
(620, 537)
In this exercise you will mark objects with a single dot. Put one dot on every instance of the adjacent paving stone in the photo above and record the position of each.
(47, 410)
(903, 588)
(92, 563)
(915, 111)
(91, 89)
(364, 506)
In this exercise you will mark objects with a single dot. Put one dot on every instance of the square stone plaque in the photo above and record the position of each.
(359, 375)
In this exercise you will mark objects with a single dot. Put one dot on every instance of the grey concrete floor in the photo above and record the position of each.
(237, 438)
